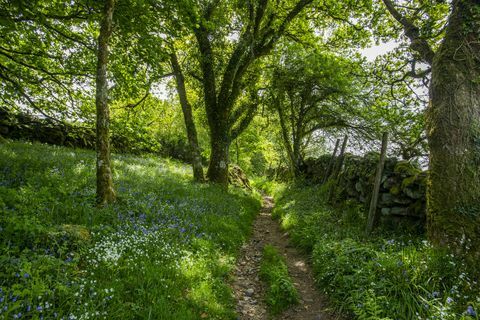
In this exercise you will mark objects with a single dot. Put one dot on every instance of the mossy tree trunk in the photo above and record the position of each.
(105, 191)
(453, 129)
(195, 155)
(219, 157)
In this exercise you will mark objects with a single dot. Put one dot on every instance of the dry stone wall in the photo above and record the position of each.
(402, 191)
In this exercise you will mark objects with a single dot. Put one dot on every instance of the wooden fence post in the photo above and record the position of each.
(337, 168)
(372, 212)
(331, 163)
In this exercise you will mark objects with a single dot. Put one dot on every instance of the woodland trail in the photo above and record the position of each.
(249, 289)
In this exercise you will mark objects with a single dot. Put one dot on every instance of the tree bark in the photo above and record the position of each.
(453, 130)
(219, 156)
(105, 191)
(286, 139)
(195, 155)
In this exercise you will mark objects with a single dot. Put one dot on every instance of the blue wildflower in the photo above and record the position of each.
(26, 275)
(29, 308)
(449, 300)
(436, 294)
(471, 312)
(39, 308)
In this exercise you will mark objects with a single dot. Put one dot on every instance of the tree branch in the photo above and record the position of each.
(417, 43)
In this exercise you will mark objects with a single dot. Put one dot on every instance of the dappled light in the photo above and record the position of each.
(247, 160)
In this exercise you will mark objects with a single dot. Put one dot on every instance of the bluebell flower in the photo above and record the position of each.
(2, 299)
(14, 298)
(29, 308)
(449, 300)
(26, 275)
(39, 308)
(471, 312)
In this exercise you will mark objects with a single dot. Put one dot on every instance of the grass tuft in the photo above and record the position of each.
(281, 293)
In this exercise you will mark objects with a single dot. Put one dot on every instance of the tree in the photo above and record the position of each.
(453, 130)
(306, 87)
(105, 191)
(196, 157)
(46, 58)
(225, 56)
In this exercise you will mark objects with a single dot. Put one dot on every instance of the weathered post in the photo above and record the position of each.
(372, 213)
(337, 168)
(331, 163)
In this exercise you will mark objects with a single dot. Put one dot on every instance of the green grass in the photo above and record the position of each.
(388, 275)
(164, 250)
(281, 292)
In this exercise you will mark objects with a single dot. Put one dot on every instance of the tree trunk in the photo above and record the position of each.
(453, 129)
(219, 157)
(105, 191)
(286, 140)
(297, 157)
(195, 155)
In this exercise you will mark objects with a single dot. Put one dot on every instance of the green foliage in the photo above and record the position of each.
(281, 293)
(267, 186)
(403, 277)
(162, 251)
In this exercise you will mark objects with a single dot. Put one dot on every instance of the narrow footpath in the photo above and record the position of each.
(249, 289)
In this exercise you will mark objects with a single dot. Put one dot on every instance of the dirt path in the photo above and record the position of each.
(249, 289)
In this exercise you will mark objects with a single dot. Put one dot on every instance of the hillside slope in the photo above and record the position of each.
(163, 251)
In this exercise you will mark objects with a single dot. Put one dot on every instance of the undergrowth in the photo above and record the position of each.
(387, 275)
(281, 292)
(163, 251)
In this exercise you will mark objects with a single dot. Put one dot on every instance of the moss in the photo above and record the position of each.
(395, 190)
(409, 181)
(407, 168)
(77, 232)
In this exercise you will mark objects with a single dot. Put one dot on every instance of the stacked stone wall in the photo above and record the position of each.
(402, 190)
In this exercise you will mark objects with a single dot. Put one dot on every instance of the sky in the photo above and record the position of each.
(374, 51)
